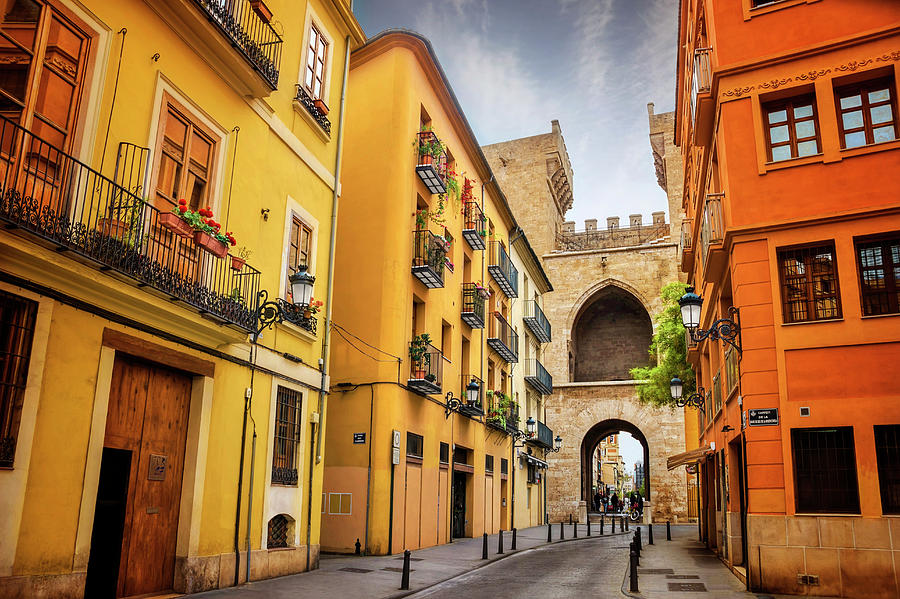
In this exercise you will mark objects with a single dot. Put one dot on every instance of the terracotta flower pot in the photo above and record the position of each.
(419, 373)
(261, 10)
(209, 243)
(425, 159)
(237, 263)
(176, 224)
(321, 106)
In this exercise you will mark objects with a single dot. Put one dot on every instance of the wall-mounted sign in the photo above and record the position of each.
(157, 469)
(395, 439)
(395, 455)
(764, 417)
(691, 468)
(359, 438)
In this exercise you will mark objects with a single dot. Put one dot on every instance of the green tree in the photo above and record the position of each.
(668, 345)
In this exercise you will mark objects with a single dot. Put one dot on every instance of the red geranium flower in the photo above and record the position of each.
(182, 209)
(182, 202)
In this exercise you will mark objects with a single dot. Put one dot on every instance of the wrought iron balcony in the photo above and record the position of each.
(477, 410)
(428, 258)
(536, 321)
(702, 100)
(251, 36)
(538, 377)
(474, 225)
(472, 306)
(50, 196)
(686, 245)
(303, 98)
(713, 230)
(512, 419)
(543, 436)
(701, 79)
(295, 315)
(502, 270)
(426, 374)
(429, 167)
(503, 339)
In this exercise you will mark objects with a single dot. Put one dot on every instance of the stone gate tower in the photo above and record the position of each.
(607, 279)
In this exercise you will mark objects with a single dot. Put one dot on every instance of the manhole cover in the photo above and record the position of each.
(655, 571)
(687, 577)
(697, 587)
(397, 569)
(357, 570)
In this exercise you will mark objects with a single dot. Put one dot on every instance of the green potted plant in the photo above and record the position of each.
(418, 355)
(207, 232)
(237, 262)
(176, 221)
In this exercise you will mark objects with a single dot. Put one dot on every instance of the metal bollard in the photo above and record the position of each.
(404, 581)
(575, 530)
(640, 541)
(668, 531)
(589, 524)
(549, 532)
(484, 554)
(513, 546)
(637, 554)
(601, 524)
(625, 518)
(633, 574)
(358, 547)
(562, 533)
(500, 542)
(650, 526)
(570, 518)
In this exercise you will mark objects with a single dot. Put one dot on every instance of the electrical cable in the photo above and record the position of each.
(334, 324)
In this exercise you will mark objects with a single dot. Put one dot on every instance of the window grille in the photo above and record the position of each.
(879, 271)
(825, 470)
(17, 317)
(809, 284)
(414, 444)
(278, 532)
(287, 437)
(887, 451)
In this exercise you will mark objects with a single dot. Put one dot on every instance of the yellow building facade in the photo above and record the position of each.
(425, 291)
(146, 439)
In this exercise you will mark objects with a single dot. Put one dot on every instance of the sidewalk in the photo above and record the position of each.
(379, 576)
(684, 567)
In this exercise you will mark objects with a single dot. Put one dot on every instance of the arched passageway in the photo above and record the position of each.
(610, 336)
(589, 444)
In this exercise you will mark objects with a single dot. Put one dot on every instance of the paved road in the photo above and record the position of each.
(587, 568)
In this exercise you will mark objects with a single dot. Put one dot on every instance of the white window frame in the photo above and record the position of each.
(349, 513)
(312, 18)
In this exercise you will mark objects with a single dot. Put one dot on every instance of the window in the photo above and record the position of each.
(809, 284)
(534, 474)
(17, 316)
(186, 156)
(489, 464)
(278, 532)
(340, 504)
(879, 271)
(791, 128)
(414, 444)
(43, 70)
(825, 470)
(300, 250)
(732, 370)
(504, 466)
(887, 451)
(867, 113)
(317, 50)
(287, 437)
(717, 392)
(445, 453)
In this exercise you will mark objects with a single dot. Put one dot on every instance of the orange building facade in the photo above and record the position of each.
(787, 121)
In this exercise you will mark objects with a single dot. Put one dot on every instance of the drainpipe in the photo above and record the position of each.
(323, 361)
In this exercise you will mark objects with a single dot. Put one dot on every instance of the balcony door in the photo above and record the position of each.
(43, 58)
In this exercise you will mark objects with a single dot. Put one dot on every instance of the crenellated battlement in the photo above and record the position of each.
(613, 236)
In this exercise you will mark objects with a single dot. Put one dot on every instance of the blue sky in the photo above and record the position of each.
(515, 65)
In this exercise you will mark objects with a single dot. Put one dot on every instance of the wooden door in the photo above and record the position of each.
(412, 522)
(443, 498)
(489, 505)
(148, 412)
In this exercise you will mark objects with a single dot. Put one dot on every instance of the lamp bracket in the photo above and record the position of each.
(452, 404)
(726, 329)
(695, 400)
(271, 312)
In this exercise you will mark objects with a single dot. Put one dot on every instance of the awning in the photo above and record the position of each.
(533, 460)
(688, 457)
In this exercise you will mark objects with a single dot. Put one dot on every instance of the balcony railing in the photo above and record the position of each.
(536, 321)
(538, 377)
(430, 167)
(502, 270)
(512, 419)
(543, 436)
(251, 36)
(428, 258)
(307, 101)
(701, 80)
(503, 339)
(73, 208)
(713, 229)
(474, 225)
(426, 374)
(477, 410)
(472, 306)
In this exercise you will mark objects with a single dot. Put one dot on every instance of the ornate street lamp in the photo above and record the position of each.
(530, 426)
(274, 311)
(453, 404)
(557, 443)
(726, 329)
(695, 400)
